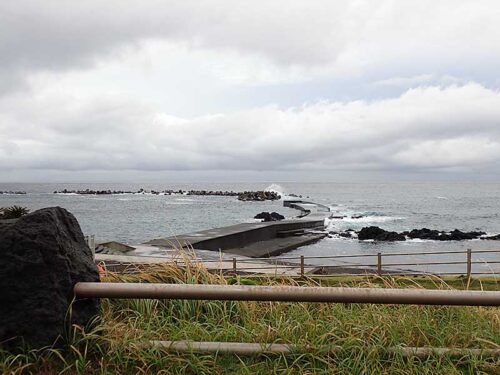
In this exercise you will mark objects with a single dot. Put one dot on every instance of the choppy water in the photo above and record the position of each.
(392, 206)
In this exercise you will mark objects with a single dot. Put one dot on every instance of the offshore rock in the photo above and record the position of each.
(435, 235)
(258, 196)
(496, 237)
(266, 216)
(379, 234)
(42, 256)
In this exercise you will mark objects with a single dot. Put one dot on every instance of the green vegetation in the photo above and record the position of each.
(13, 212)
(363, 332)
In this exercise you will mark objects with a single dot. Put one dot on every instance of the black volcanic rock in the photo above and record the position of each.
(496, 237)
(425, 234)
(435, 235)
(345, 234)
(266, 216)
(379, 234)
(42, 256)
(258, 196)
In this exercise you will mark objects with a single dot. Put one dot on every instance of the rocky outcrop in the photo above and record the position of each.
(242, 196)
(258, 196)
(496, 237)
(435, 235)
(379, 234)
(42, 256)
(266, 216)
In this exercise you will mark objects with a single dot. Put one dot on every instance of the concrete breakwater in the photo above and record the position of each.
(260, 239)
(242, 196)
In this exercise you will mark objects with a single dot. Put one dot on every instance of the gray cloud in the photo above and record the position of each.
(323, 36)
(102, 80)
(424, 129)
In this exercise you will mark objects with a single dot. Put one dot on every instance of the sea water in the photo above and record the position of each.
(136, 218)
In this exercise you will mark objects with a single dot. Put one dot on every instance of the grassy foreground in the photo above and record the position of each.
(363, 332)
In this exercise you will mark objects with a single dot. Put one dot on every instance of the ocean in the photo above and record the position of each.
(134, 218)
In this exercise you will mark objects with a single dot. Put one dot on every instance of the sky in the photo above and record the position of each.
(245, 90)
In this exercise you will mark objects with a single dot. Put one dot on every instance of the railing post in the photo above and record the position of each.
(301, 266)
(469, 263)
(379, 264)
(234, 266)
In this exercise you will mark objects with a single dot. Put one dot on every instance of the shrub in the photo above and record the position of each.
(13, 212)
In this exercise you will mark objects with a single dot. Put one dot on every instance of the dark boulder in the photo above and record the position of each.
(423, 233)
(458, 235)
(266, 216)
(258, 196)
(496, 237)
(379, 234)
(42, 256)
(436, 235)
(276, 216)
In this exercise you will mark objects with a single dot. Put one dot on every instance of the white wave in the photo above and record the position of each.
(362, 220)
(278, 189)
(420, 240)
(372, 219)
(441, 197)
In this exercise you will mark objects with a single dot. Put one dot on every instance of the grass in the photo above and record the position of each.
(362, 332)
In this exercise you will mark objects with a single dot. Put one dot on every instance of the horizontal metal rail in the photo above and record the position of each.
(298, 264)
(248, 349)
(287, 294)
(384, 254)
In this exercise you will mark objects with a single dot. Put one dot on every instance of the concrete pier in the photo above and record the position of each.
(257, 239)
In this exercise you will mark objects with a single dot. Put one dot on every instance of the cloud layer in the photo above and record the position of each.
(423, 129)
(282, 85)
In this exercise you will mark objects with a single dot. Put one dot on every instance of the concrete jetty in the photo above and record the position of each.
(260, 239)
(220, 248)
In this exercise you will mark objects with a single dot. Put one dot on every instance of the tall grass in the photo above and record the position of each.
(360, 334)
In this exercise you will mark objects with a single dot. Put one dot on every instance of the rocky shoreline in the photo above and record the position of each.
(242, 196)
(378, 234)
(13, 192)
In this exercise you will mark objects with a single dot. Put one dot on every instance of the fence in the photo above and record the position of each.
(90, 241)
(381, 264)
(287, 294)
(455, 263)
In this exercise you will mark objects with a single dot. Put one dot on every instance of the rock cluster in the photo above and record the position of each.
(242, 196)
(43, 255)
(215, 193)
(266, 216)
(455, 235)
(495, 237)
(94, 192)
(379, 234)
(258, 196)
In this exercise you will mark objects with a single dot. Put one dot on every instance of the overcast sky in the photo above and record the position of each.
(101, 90)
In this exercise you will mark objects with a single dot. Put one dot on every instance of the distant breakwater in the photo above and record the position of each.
(242, 196)
(12, 192)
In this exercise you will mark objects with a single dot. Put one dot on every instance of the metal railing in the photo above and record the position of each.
(287, 294)
(381, 263)
(463, 263)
